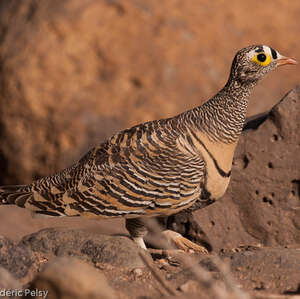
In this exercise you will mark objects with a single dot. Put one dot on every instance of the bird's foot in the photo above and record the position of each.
(174, 243)
(183, 243)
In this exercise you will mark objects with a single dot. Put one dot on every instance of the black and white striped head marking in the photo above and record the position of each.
(254, 62)
(272, 52)
(263, 55)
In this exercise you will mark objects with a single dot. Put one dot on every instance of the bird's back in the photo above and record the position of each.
(148, 170)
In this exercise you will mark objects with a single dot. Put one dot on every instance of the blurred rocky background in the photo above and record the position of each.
(74, 72)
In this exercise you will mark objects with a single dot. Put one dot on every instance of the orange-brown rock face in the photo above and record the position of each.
(73, 72)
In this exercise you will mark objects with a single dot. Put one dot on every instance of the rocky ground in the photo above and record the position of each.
(252, 235)
(74, 72)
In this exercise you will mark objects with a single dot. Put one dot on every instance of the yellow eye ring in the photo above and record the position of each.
(262, 59)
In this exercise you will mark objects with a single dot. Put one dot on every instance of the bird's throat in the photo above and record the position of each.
(222, 118)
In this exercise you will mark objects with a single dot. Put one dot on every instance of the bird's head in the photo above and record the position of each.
(252, 63)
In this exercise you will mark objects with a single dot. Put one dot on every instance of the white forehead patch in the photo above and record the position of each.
(251, 54)
(266, 49)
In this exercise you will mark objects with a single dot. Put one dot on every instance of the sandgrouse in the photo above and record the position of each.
(160, 167)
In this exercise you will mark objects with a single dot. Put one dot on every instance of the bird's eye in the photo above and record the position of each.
(262, 59)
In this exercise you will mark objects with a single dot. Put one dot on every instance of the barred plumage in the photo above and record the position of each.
(156, 168)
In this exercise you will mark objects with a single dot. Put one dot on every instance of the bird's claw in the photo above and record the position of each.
(183, 243)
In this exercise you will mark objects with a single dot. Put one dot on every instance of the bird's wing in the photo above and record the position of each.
(146, 170)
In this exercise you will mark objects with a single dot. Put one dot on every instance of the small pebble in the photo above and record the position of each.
(138, 272)
(189, 286)
(103, 266)
(162, 263)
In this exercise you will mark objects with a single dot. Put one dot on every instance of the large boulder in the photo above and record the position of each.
(118, 251)
(272, 269)
(8, 281)
(23, 260)
(68, 278)
(262, 271)
(14, 259)
(74, 72)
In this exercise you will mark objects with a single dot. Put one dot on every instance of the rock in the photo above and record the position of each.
(137, 272)
(15, 259)
(74, 72)
(267, 270)
(262, 203)
(270, 269)
(118, 251)
(191, 286)
(7, 281)
(114, 250)
(67, 278)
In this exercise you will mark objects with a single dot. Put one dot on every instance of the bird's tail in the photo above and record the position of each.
(24, 197)
(15, 195)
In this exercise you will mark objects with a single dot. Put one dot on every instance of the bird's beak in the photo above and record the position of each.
(285, 60)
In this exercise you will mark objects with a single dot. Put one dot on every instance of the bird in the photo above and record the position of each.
(160, 167)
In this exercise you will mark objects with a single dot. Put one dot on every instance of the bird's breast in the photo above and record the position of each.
(216, 185)
(218, 158)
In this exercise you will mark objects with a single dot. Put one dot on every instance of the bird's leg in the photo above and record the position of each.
(183, 223)
(137, 230)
